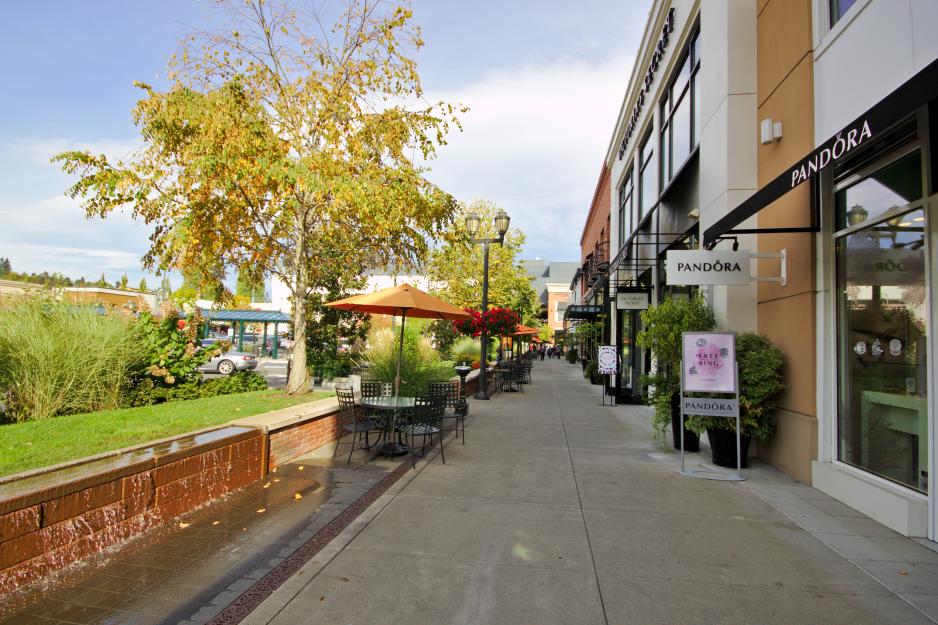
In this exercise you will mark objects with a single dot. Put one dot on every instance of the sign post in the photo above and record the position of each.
(708, 365)
(608, 364)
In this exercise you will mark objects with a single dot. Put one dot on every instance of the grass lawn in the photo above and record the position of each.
(33, 444)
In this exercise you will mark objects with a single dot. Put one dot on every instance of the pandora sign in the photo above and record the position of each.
(834, 150)
(707, 267)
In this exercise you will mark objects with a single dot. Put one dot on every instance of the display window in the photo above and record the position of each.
(881, 247)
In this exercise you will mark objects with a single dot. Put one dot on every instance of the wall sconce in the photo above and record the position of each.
(770, 131)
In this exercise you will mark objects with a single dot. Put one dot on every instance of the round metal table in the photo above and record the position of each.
(393, 406)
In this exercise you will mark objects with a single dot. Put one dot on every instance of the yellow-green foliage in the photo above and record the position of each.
(57, 358)
(420, 364)
(466, 349)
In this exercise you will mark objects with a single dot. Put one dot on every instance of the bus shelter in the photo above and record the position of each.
(240, 318)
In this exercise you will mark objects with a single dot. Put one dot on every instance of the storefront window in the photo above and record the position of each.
(882, 312)
(625, 210)
(895, 185)
(648, 177)
(679, 114)
(838, 8)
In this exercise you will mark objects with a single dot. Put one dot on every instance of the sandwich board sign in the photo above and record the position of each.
(708, 365)
(607, 363)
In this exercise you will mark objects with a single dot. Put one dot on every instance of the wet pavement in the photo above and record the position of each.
(189, 572)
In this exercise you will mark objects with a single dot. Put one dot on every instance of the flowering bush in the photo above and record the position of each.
(497, 321)
(170, 347)
(469, 327)
(501, 321)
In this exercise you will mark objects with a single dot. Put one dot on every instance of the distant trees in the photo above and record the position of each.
(58, 280)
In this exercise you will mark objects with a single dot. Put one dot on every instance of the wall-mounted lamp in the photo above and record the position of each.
(769, 131)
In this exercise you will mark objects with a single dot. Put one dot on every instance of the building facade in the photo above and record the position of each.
(802, 129)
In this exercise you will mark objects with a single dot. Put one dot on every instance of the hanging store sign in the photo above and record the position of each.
(707, 267)
(607, 360)
(708, 362)
(649, 80)
(633, 301)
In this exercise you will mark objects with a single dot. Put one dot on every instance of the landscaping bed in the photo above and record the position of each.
(34, 444)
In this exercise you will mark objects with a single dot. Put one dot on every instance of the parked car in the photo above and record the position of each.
(228, 362)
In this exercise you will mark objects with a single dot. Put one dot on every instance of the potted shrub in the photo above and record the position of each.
(661, 333)
(591, 372)
(760, 383)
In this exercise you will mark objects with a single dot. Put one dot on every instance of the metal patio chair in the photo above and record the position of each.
(424, 421)
(353, 420)
(450, 392)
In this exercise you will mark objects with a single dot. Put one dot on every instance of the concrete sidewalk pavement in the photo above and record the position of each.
(560, 510)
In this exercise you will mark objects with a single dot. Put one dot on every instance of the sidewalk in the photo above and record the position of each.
(560, 510)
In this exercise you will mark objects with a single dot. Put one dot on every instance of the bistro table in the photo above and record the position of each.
(393, 406)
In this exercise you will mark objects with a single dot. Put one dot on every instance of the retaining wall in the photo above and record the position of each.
(54, 517)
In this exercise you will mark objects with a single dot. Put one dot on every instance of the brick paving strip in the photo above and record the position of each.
(238, 609)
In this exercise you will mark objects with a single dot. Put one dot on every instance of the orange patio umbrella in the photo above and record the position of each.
(521, 330)
(401, 301)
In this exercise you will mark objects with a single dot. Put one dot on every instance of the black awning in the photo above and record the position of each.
(914, 93)
(582, 311)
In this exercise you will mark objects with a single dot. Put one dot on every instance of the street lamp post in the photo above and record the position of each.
(473, 221)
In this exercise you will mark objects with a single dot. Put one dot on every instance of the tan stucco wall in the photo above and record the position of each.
(787, 314)
(553, 299)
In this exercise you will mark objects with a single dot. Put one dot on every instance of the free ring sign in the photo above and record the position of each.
(709, 362)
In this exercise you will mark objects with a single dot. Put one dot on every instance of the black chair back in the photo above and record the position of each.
(376, 388)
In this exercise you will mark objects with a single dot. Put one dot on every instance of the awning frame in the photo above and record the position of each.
(905, 100)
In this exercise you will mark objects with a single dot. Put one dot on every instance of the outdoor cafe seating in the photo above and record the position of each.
(394, 425)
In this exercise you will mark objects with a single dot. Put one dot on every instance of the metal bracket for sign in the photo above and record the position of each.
(706, 474)
(782, 256)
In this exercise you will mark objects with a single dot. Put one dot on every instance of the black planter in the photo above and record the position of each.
(691, 439)
(723, 447)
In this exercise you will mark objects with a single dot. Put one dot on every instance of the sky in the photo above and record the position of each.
(544, 80)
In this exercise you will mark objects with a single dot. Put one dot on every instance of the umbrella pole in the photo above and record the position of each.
(400, 356)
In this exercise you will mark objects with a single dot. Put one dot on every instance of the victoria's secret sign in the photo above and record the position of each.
(656, 57)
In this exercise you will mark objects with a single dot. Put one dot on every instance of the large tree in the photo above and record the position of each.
(281, 143)
(455, 268)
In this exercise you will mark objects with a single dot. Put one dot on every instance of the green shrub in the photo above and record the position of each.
(237, 382)
(420, 365)
(760, 383)
(663, 327)
(571, 355)
(591, 371)
(466, 349)
(147, 392)
(58, 358)
(171, 347)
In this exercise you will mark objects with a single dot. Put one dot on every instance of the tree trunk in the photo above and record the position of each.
(298, 381)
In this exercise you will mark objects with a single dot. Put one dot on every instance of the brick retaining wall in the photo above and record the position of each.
(301, 438)
(49, 519)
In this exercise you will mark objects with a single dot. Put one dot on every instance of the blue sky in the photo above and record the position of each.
(544, 80)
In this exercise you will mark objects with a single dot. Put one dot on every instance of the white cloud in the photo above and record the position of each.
(533, 142)
(38, 150)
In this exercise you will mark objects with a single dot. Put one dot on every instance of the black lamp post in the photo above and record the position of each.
(473, 221)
